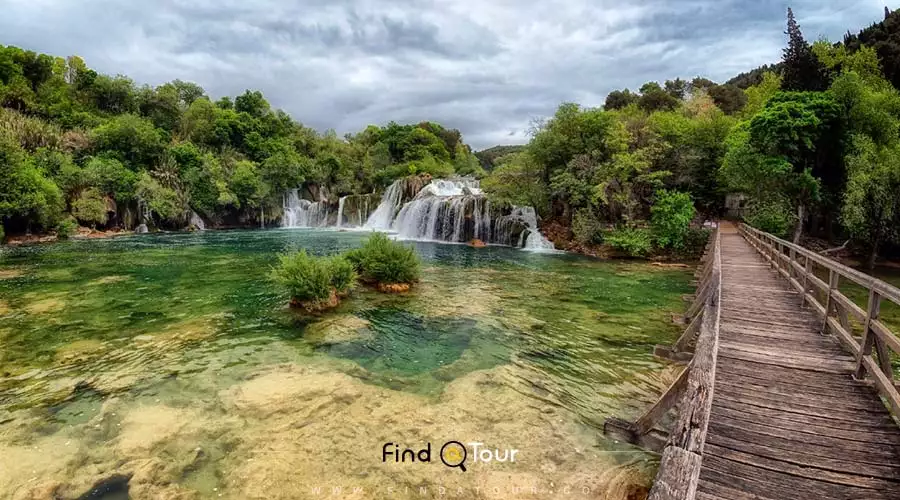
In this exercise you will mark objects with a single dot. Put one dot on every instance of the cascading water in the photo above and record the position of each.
(303, 213)
(455, 210)
(340, 216)
(382, 217)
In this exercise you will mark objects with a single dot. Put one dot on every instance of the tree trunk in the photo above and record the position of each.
(798, 229)
(873, 254)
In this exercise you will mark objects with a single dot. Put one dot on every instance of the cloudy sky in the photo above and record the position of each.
(486, 67)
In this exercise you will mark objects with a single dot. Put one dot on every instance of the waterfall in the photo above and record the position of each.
(535, 241)
(340, 217)
(456, 210)
(382, 217)
(197, 222)
(303, 213)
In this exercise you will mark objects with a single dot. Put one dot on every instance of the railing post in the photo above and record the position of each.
(868, 341)
(833, 278)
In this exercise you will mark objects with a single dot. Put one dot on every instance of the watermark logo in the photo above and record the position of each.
(453, 454)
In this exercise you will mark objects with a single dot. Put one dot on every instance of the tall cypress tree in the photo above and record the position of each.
(801, 69)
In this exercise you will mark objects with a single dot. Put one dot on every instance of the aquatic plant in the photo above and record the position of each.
(308, 280)
(389, 265)
(343, 274)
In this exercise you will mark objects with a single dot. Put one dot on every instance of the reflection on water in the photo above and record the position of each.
(168, 366)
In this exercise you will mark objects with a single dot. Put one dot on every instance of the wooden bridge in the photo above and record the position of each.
(788, 392)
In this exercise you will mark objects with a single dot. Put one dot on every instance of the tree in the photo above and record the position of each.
(728, 98)
(618, 99)
(251, 102)
(24, 191)
(90, 207)
(800, 68)
(871, 208)
(654, 98)
(670, 218)
(131, 139)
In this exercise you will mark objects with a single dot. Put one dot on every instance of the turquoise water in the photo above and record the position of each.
(119, 347)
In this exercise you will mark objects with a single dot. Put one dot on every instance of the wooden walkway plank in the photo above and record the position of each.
(787, 419)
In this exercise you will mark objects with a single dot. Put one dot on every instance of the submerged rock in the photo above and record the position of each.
(392, 287)
(476, 243)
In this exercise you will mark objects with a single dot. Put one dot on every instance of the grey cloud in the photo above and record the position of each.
(487, 68)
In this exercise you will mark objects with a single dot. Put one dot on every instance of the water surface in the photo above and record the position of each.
(168, 365)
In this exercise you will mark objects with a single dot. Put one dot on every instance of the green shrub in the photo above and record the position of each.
(90, 207)
(670, 218)
(343, 274)
(66, 228)
(635, 242)
(306, 278)
(772, 217)
(2, 234)
(385, 261)
(586, 228)
(695, 241)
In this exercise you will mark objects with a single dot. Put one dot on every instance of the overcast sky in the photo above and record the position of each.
(486, 67)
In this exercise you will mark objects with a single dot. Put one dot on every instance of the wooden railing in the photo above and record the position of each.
(860, 331)
(692, 391)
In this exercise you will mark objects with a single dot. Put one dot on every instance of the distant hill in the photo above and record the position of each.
(753, 76)
(883, 36)
(490, 155)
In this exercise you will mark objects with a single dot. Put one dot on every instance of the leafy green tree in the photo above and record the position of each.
(654, 98)
(251, 102)
(24, 190)
(156, 199)
(670, 219)
(618, 99)
(131, 139)
(871, 209)
(517, 180)
(90, 207)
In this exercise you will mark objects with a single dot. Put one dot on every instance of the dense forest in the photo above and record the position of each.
(77, 146)
(809, 145)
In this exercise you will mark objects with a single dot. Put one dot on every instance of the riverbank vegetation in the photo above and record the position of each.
(803, 147)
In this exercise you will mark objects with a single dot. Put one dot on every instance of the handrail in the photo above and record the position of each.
(837, 309)
(679, 468)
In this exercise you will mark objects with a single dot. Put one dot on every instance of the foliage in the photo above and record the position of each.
(517, 181)
(66, 228)
(635, 242)
(343, 273)
(90, 207)
(771, 216)
(801, 70)
(618, 99)
(24, 189)
(385, 261)
(2, 234)
(670, 220)
(158, 199)
(586, 228)
(306, 278)
(871, 208)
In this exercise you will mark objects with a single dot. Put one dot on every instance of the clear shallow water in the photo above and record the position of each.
(172, 360)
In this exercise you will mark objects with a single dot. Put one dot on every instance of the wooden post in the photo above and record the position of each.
(868, 335)
(833, 278)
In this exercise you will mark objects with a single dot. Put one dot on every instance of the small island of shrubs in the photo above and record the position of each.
(318, 283)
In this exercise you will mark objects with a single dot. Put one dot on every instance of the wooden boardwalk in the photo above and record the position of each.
(787, 418)
(769, 407)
